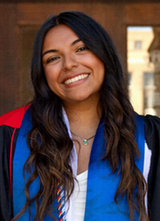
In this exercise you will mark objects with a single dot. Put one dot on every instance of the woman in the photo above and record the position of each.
(78, 151)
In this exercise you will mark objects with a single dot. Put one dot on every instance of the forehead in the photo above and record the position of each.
(60, 34)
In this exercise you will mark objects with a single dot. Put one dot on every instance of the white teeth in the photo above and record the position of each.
(77, 78)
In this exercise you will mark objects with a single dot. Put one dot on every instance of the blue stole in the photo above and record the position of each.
(21, 154)
(101, 187)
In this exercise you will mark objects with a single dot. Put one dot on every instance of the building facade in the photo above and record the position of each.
(20, 20)
(140, 69)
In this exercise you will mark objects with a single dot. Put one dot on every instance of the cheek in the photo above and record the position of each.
(51, 75)
(51, 82)
(100, 70)
(98, 65)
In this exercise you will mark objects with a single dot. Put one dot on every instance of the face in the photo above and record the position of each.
(72, 71)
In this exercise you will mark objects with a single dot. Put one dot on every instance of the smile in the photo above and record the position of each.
(77, 78)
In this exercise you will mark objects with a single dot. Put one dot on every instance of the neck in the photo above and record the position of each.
(83, 117)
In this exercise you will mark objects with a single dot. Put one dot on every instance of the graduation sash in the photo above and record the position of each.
(101, 187)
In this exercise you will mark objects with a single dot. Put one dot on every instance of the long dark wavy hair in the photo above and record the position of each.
(48, 140)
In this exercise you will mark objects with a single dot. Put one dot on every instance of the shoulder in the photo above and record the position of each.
(152, 124)
(151, 119)
(152, 131)
(13, 118)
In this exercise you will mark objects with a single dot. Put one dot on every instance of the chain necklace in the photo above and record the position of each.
(85, 141)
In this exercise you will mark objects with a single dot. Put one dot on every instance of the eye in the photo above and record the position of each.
(81, 48)
(52, 59)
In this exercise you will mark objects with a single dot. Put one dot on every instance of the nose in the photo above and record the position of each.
(69, 62)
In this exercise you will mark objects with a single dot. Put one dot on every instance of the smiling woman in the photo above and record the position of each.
(78, 151)
(73, 72)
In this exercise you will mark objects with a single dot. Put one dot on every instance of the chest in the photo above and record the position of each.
(101, 187)
(83, 155)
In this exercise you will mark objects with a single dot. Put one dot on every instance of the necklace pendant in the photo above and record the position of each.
(85, 142)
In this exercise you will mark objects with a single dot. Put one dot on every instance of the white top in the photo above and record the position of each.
(80, 196)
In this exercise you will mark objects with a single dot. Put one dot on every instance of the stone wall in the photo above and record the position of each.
(19, 23)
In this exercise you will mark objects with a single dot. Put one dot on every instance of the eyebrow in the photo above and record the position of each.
(49, 51)
(54, 50)
(75, 42)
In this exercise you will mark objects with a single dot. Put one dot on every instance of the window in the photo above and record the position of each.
(148, 84)
(138, 45)
(148, 79)
(129, 78)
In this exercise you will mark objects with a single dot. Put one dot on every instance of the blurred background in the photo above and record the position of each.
(134, 26)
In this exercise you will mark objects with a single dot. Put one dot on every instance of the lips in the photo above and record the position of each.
(77, 78)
